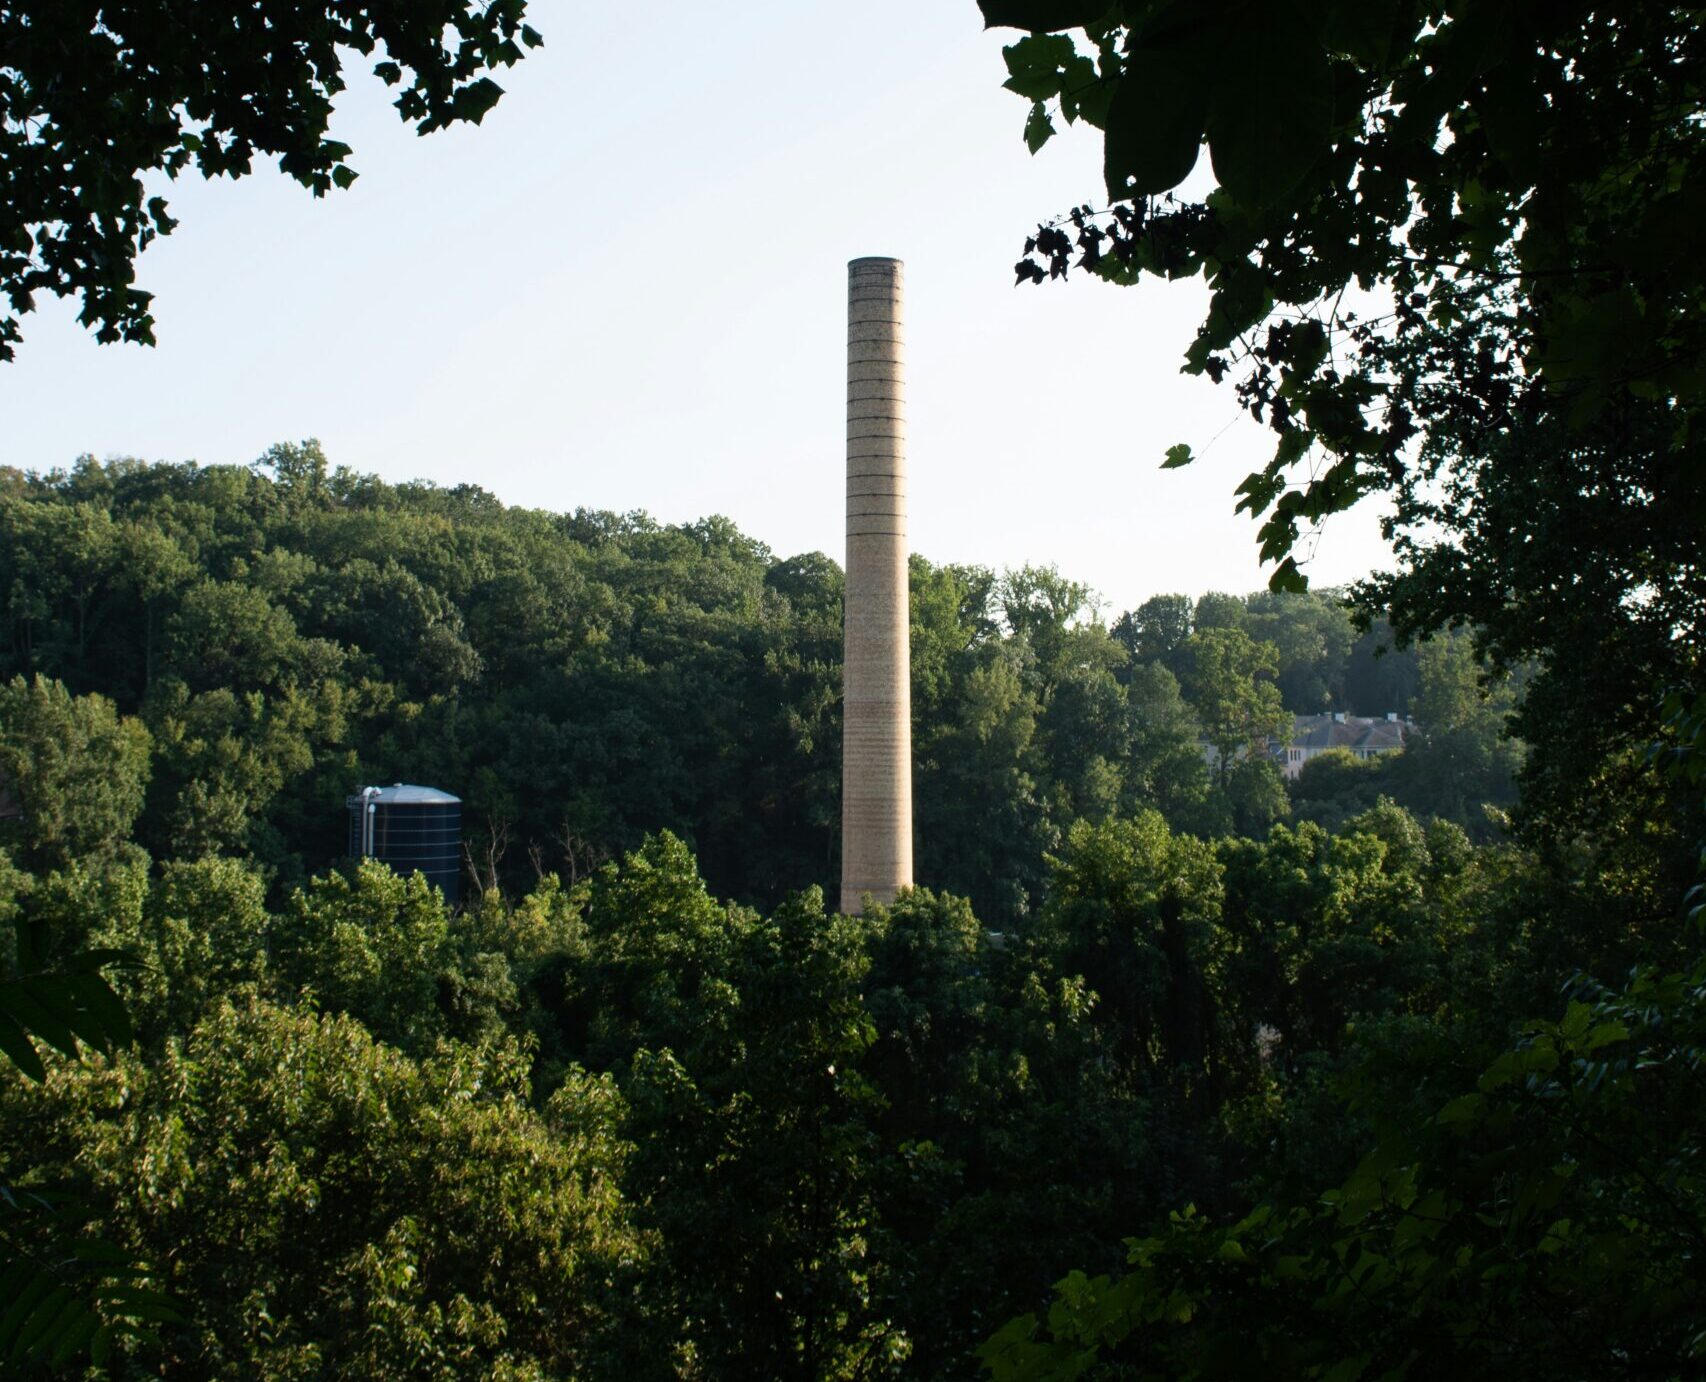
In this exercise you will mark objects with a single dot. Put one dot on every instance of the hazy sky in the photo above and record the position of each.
(626, 291)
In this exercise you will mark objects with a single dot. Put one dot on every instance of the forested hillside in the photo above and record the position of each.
(287, 633)
(642, 1106)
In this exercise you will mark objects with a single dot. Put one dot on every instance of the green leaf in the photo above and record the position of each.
(36, 1005)
(1604, 1034)
(1034, 65)
(50, 1321)
(1272, 115)
(103, 1022)
(1242, 299)
(1463, 1109)
(473, 101)
(1038, 127)
(1177, 455)
(1288, 579)
(21, 1307)
(1293, 444)
(87, 961)
(1083, 92)
(1368, 30)
(1156, 117)
(20, 1050)
(1040, 16)
(1346, 1370)
(79, 1332)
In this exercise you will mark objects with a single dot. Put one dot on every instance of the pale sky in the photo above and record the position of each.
(626, 290)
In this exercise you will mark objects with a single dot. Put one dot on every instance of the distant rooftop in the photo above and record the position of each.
(1364, 732)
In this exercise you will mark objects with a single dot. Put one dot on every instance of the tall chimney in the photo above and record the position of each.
(876, 679)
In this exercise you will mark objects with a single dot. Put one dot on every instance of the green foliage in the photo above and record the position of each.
(1131, 908)
(201, 933)
(75, 767)
(1545, 110)
(1461, 754)
(68, 1294)
(328, 1204)
(748, 1115)
(1449, 253)
(1229, 679)
(372, 944)
(1335, 784)
(64, 1291)
(90, 112)
(1540, 1224)
(65, 1004)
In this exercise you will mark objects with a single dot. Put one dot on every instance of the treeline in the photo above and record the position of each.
(289, 632)
(602, 1122)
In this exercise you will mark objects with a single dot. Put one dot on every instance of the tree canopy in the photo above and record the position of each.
(1516, 184)
(1450, 248)
(97, 99)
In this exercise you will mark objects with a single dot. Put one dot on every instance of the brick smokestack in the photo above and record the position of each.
(876, 755)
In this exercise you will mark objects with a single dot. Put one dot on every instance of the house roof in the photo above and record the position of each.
(1354, 732)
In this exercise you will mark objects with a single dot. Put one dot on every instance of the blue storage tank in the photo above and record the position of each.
(412, 829)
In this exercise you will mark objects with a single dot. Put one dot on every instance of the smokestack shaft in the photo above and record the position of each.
(876, 783)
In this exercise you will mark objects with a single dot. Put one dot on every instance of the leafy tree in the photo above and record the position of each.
(1156, 630)
(1255, 796)
(200, 934)
(1336, 784)
(1130, 909)
(1218, 610)
(372, 944)
(1380, 676)
(737, 1040)
(1462, 757)
(1625, 616)
(1040, 606)
(67, 1289)
(90, 109)
(1312, 635)
(75, 767)
(327, 1204)
(1510, 227)
(928, 1002)
(1323, 928)
(1229, 684)
(982, 823)
(1164, 768)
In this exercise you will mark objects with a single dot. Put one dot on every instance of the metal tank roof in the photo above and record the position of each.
(409, 794)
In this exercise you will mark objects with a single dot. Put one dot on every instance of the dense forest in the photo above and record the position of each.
(289, 632)
(641, 1104)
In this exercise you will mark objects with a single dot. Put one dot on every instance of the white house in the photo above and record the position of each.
(1363, 735)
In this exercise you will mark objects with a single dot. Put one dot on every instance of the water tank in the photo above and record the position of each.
(412, 829)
